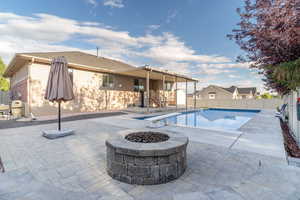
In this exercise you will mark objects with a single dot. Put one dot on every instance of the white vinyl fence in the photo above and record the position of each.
(291, 113)
(237, 103)
(4, 97)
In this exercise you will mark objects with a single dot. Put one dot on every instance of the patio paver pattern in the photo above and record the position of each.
(75, 167)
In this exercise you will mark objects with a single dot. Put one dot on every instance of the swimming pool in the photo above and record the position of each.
(220, 119)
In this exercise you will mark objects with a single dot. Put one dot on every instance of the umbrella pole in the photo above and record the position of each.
(59, 127)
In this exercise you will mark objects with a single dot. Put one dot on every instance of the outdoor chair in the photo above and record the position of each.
(5, 110)
(281, 111)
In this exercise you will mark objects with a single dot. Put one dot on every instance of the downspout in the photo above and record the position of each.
(29, 89)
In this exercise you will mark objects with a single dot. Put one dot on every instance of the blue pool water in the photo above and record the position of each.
(221, 119)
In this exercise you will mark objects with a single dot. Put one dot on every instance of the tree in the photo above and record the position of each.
(266, 96)
(269, 33)
(4, 83)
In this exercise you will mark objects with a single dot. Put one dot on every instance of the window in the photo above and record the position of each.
(107, 81)
(138, 85)
(168, 86)
(212, 95)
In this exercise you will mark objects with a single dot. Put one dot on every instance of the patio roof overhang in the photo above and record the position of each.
(155, 74)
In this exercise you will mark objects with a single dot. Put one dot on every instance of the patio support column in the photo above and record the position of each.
(195, 89)
(164, 82)
(148, 90)
(176, 92)
(186, 94)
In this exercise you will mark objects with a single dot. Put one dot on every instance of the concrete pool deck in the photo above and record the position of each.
(221, 165)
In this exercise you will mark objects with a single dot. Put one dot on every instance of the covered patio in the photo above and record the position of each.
(162, 98)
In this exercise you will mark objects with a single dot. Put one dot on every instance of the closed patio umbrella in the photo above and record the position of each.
(59, 89)
(1, 166)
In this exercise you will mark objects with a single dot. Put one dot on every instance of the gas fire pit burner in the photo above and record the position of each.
(147, 137)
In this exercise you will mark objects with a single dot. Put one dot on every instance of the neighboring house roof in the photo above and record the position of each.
(247, 90)
(219, 88)
(230, 89)
(198, 92)
(241, 90)
(85, 61)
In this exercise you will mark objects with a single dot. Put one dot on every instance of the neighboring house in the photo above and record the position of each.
(98, 83)
(233, 92)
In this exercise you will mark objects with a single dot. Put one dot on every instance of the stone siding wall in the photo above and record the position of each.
(19, 84)
(20, 88)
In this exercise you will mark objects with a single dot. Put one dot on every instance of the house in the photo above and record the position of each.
(233, 92)
(99, 83)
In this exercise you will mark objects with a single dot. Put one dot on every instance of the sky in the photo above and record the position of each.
(183, 36)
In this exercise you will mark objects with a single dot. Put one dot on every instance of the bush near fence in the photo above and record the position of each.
(237, 103)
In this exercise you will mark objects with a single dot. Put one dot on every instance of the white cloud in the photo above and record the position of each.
(50, 29)
(152, 28)
(11, 45)
(44, 32)
(93, 2)
(234, 65)
(41, 27)
(113, 3)
(227, 65)
(180, 67)
(171, 49)
(219, 68)
(215, 71)
(233, 76)
(110, 3)
(171, 15)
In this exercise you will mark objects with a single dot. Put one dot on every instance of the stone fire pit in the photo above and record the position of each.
(146, 158)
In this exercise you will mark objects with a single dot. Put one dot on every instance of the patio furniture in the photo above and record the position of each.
(59, 89)
(4, 110)
(281, 111)
(158, 102)
(17, 108)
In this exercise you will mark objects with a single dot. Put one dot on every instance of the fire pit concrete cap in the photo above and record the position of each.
(174, 144)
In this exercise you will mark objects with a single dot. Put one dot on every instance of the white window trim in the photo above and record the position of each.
(211, 96)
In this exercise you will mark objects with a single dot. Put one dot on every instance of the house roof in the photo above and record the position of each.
(247, 90)
(89, 62)
(226, 90)
(241, 90)
(86, 59)
(230, 89)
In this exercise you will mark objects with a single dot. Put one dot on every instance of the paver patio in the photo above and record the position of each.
(246, 165)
